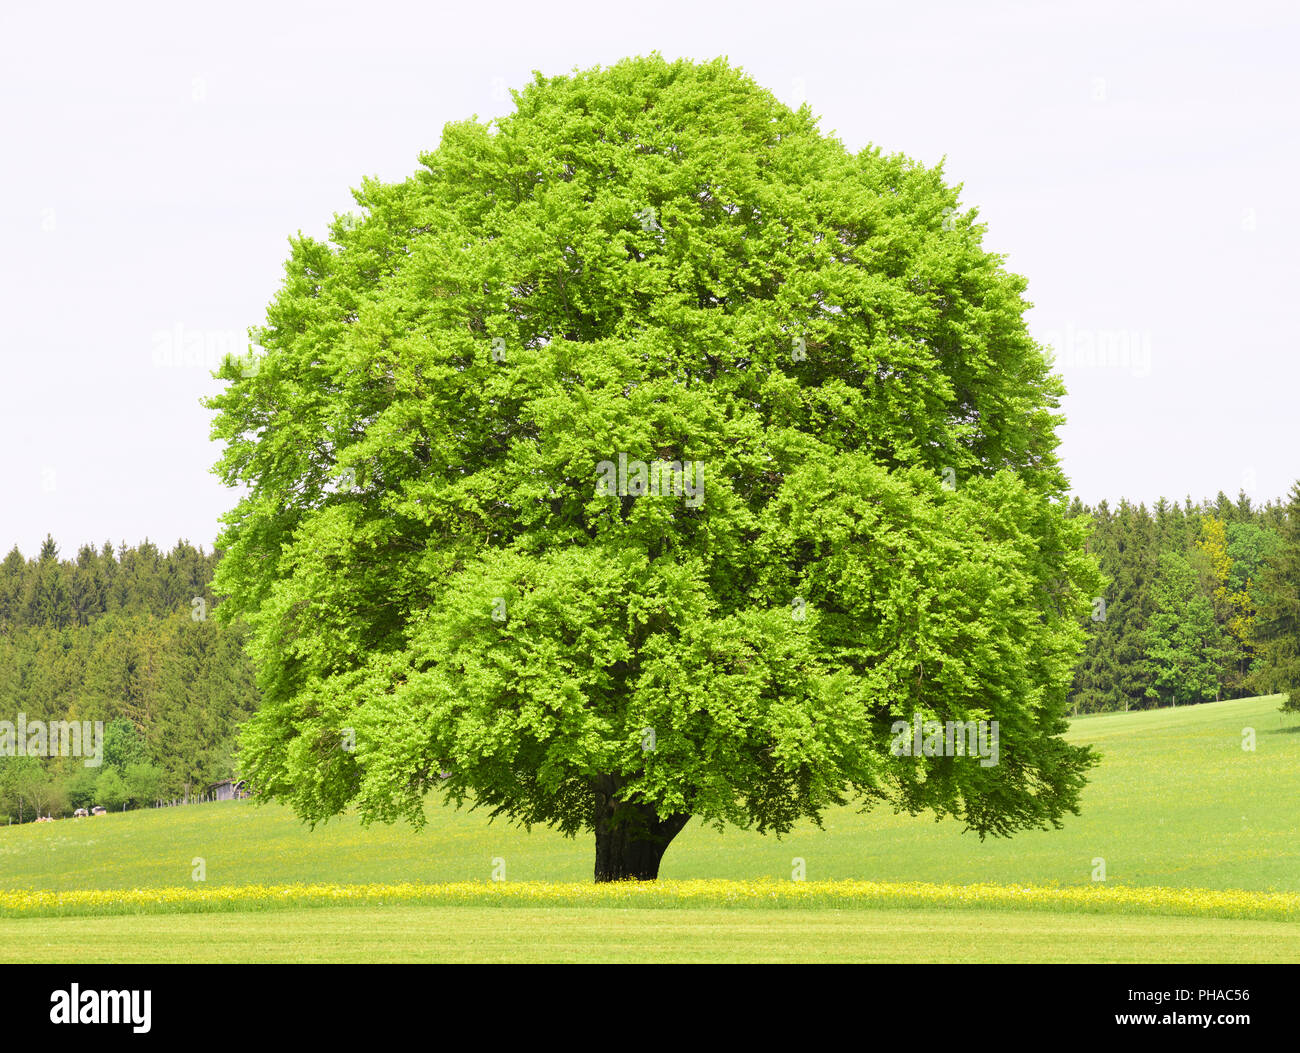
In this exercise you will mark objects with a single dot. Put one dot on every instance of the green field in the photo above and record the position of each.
(1176, 803)
(566, 934)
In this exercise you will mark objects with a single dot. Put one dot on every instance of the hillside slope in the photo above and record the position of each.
(1176, 801)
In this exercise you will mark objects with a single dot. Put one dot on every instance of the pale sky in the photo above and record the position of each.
(1139, 167)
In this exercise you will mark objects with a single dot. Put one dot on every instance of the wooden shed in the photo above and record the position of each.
(227, 790)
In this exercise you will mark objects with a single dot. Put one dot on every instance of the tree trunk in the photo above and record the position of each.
(630, 837)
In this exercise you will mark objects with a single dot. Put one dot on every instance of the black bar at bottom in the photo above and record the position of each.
(329, 1003)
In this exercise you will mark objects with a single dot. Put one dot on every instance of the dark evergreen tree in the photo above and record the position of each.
(1277, 626)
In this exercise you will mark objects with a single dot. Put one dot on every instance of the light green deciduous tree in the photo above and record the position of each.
(851, 512)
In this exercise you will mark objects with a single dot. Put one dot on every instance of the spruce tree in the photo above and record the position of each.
(1277, 624)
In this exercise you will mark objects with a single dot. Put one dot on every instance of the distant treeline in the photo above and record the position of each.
(1203, 604)
(125, 637)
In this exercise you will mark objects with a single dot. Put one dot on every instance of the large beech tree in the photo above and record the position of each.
(652, 262)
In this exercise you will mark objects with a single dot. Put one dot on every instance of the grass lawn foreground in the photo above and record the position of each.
(1197, 835)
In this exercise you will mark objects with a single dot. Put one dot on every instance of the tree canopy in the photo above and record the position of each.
(837, 503)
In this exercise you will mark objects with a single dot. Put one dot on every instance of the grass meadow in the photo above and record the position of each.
(1197, 835)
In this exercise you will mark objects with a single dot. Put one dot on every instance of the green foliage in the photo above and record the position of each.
(1113, 672)
(82, 787)
(111, 790)
(659, 260)
(1186, 645)
(124, 642)
(1232, 548)
(21, 786)
(143, 782)
(51, 593)
(123, 745)
(1278, 620)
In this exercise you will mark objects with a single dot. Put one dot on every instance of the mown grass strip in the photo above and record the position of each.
(666, 895)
